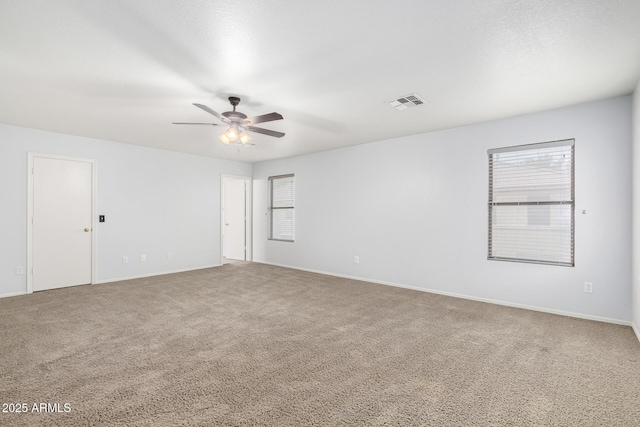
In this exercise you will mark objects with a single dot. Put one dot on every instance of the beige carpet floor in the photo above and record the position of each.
(249, 344)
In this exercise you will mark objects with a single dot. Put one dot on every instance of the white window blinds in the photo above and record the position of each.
(281, 208)
(531, 203)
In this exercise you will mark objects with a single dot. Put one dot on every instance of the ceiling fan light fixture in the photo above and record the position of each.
(223, 138)
(244, 137)
(232, 133)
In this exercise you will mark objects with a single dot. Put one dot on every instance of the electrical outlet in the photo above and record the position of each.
(143, 257)
(19, 270)
(356, 260)
(588, 287)
(169, 255)
(125, 260)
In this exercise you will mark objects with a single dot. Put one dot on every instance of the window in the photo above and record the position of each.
(281, 207)
(531, 203)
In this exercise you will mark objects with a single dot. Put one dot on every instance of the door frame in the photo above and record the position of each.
(248, 209)
(30, 161)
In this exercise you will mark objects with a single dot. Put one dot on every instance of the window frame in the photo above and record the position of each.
(492, 203)
(271, 208)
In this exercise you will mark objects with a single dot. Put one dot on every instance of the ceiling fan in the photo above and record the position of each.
(238, 123)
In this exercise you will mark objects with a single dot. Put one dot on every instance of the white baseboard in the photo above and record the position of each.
(636, 330)
(469, 297)
(141, 276)
(12, 294)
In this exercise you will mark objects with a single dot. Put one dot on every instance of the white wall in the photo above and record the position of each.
(414, 210)
(636, 210)
(154, 201)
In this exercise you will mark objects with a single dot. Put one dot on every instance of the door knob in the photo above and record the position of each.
(87, 229)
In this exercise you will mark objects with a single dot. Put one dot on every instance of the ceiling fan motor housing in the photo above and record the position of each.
(234, 115)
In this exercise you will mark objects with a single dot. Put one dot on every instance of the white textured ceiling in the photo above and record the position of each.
(124, 70)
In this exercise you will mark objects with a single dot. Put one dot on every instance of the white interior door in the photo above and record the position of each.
(62, 214)
(234, 219)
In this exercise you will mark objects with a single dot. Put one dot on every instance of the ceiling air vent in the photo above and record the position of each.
(406, 102)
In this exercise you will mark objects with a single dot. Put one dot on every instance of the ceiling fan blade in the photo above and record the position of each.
(183, 123)
(266, 131)
(210, 111)
(263, 118)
